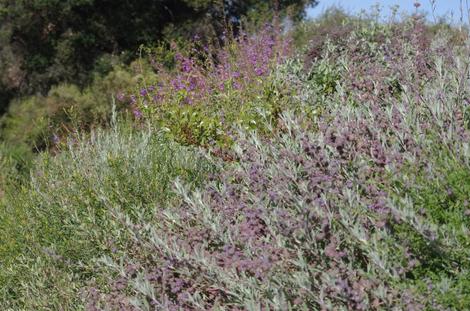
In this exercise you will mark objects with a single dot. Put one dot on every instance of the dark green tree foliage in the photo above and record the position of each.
(237, 8)
(44, 42)
(60, 40)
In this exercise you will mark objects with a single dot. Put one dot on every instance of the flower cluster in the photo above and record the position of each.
(203, 74)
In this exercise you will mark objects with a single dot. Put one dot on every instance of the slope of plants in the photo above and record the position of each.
(253, 176)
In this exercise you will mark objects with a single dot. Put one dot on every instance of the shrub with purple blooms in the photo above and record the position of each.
(333, 179)
(210, 87)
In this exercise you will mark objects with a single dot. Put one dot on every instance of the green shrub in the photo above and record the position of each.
(441, 195)
(54, 227)
(39, 121)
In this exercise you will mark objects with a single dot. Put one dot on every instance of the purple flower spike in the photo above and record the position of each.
(137, 113)
(259, 71)
(133, 99)
(120, 96)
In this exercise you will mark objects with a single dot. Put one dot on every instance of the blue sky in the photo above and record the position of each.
(443, 7)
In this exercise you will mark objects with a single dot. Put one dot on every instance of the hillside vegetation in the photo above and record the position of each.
(322, 168)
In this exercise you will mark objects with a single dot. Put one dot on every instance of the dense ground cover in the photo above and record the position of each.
(258, 176)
